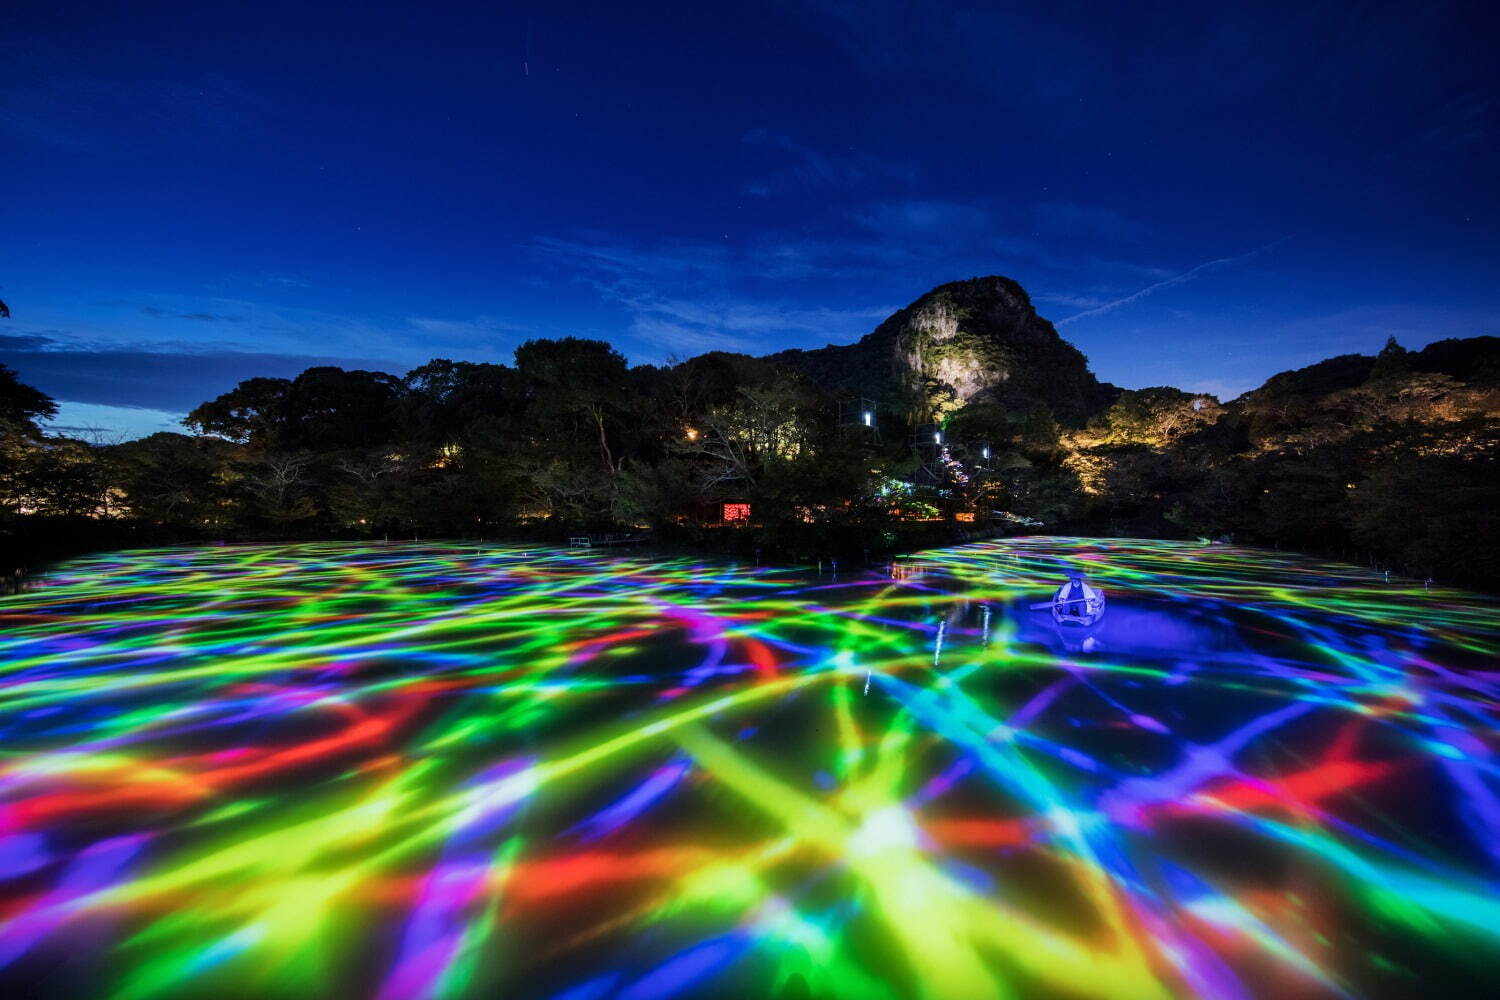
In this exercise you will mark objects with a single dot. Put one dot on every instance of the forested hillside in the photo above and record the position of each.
(964, 413)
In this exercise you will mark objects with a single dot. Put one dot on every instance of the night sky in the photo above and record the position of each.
(198, 194)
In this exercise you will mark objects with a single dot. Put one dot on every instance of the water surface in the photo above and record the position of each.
(417, 771)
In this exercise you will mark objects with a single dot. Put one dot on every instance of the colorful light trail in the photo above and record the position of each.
(413, 771)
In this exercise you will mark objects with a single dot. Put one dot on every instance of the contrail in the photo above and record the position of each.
(1168, 283)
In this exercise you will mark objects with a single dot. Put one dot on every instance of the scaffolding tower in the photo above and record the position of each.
(930, 444)
(860, 416)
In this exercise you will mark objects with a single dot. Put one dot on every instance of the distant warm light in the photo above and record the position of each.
(692, 434)
(965, 515)
(736, 512)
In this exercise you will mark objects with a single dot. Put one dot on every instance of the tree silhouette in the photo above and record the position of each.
(21, 404)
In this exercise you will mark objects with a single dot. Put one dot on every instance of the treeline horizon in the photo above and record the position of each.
(1387, 460)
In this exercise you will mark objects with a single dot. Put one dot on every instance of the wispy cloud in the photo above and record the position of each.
(1066, 218)
(1068, 300)
(975, 236)
(1461, 120)
(152, 377)
(681, 325)
(812, 168)
(670, 341)
(480, 330)
(677, 327)
(691, 297)
(620, 258)
(1178, 279)
(926, 217)
(1364, 329)
(54, 96)
(176, 322)
(280, 280)
(754, 295)
(897, 242)
(156, 312)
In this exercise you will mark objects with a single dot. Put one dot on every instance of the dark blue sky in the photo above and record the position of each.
(1197, 196)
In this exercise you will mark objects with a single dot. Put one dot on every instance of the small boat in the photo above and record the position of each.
(1075, 603)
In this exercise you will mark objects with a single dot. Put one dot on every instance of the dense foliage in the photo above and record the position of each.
(1388, 459)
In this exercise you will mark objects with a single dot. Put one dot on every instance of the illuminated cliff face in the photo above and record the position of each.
(948, 362)
(971, 338)
(961, 341)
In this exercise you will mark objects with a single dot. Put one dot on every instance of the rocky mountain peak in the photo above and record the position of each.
(962, 341)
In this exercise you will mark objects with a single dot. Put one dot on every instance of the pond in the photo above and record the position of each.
(446, 771)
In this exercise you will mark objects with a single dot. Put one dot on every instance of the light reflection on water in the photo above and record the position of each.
(406, 771)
